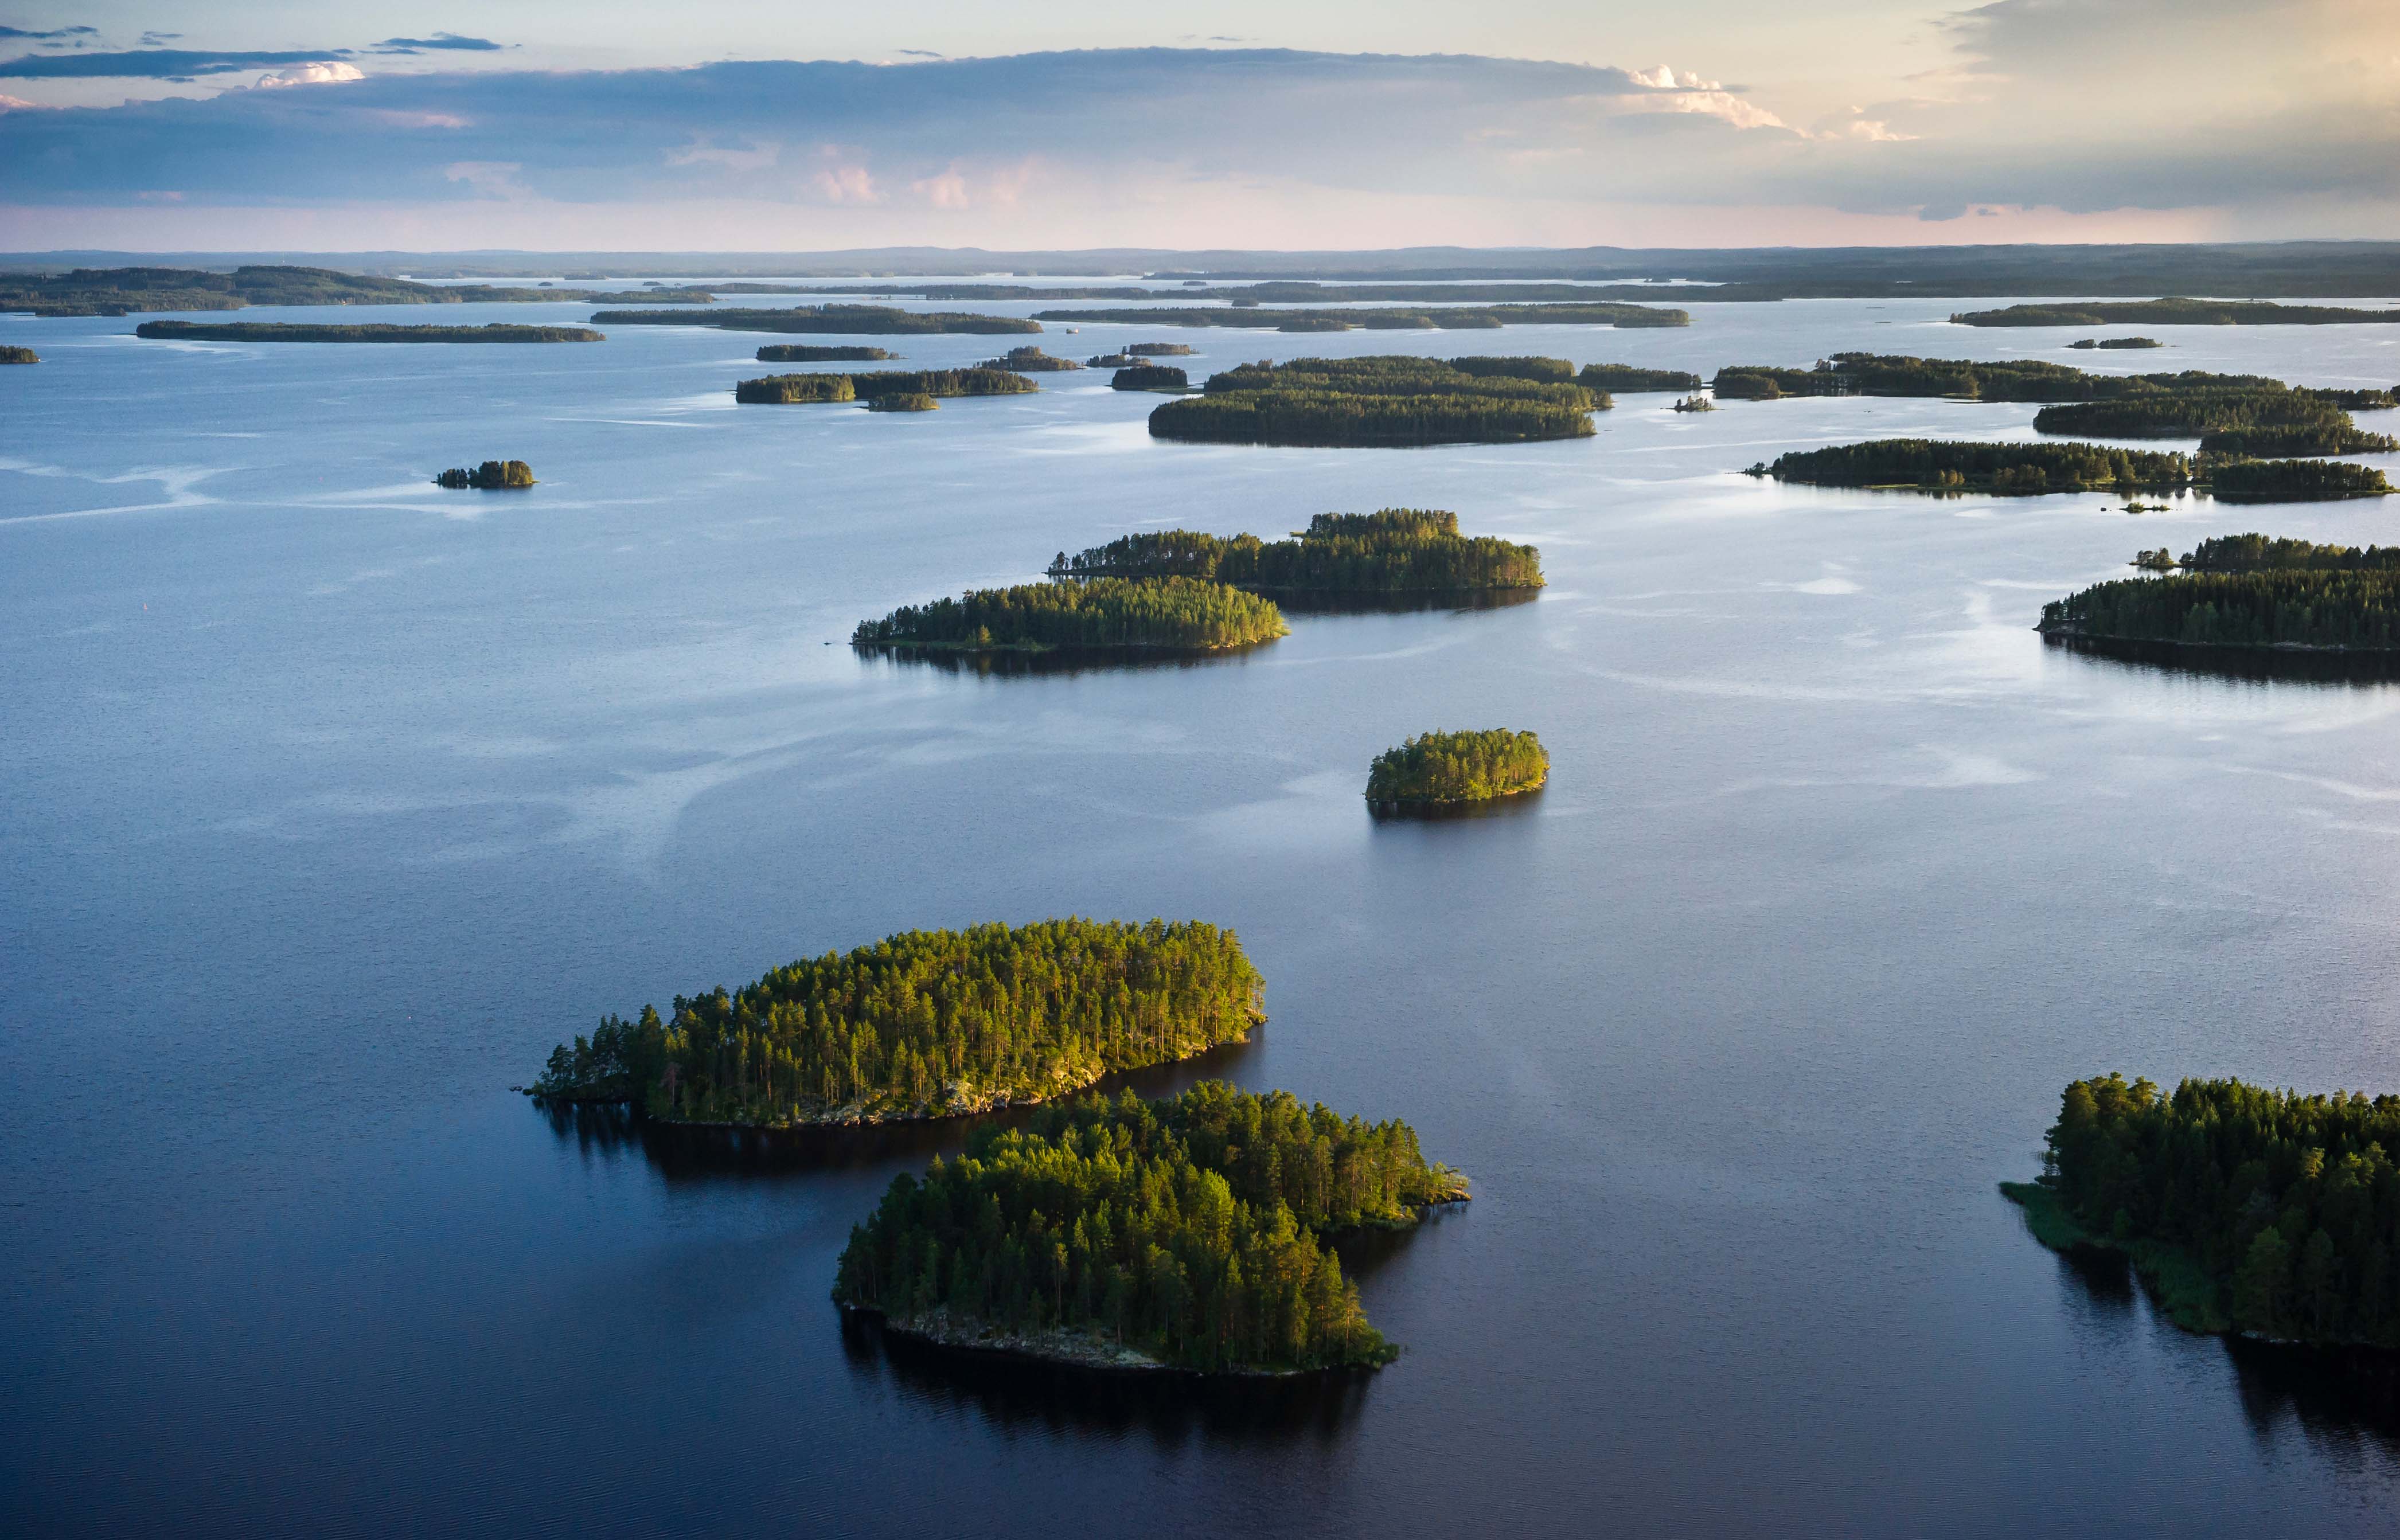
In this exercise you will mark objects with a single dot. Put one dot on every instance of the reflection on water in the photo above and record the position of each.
(1511, 806)
(2283, 665)
(1056, 662)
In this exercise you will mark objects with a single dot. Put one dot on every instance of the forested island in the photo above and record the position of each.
(1972, 379)
(1625, 378)
(1031, 360)
(19, 355)
(1150, 376)
(122, 290)
(2258, 552)
(2315, 609)
(2023, 470)
(1449, 769)
(2269, 1213)
(1188, 1234)
(2244, 421)
(1382, 401)
(2117, 342)
(1160, 349)
(2172, 312)
(925, 1024)
(869, 385)
(1394, 550)
(490, 476)
(1177, 614)
(282, 330)
(837, 319)
(815, 352)
(1447, 318)
(903, 401)
(2292, 481)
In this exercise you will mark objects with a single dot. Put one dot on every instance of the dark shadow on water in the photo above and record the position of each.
(1308, 601)
(2263, 664)
(681, 1153)
(2106, 1279)
(1168, 1409)
(1517, 806)
(1056, 661)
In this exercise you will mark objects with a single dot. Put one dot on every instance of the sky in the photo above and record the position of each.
(795, 125)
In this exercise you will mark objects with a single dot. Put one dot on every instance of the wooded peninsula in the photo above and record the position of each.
(925, 1024)
(2269, 1213)
(871, 385)
(1178, 614)
(2242, 421)
(1449, 769)
(850, 320)
(1188, 1234)
(2174, 312)
(1392, 551)
(285, 331)
(1380, 401)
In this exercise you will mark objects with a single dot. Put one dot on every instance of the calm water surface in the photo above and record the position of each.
(333, 800)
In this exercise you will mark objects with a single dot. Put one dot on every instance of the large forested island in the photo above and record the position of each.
(1443, 318)
(1150, 376)
(2241, 421)
(1187, 1233)
(1392, 551)
(2172, 312)
(1972, 379)
(815, 352)
(2250, 1210)
(925, 1024)
(1451, 769)
(122, 290)
(834, 320)
(19, 355)
(872, 384)
(1381, 401)
(2136, 344)
(1110, 614)
(1935, 465)
(2321, 608)
(280, 331)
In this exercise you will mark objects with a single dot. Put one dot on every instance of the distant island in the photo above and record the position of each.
(1625, 379)
(1189, 1235)
(903, 401)
(1972, 379)
(1695, 404)
(281, 331)
(122, 290)
(1380, 401)
(1159, 350)
(2251, 421)
(1031, 360)
(2292, 481)
(490, 476)
(19, 355)
(852, 320)
(1177, 614)
(2172, 312)
(869, 385)
(815, 352)
(1111, 360)
(2022, 470)
(2246, 1210)
(925, 1024)
(2259, 554)
(2117, 342)
(1397, 549)
(1150, 376)
(1449, 769)
(1445, 318)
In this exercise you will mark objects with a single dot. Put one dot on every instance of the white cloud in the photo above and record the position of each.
(18, 104)
(326, 72)
(947, 191)
(848, 184)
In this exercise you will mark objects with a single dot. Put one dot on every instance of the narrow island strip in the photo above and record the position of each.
(850, 320)
(1184, 1235)
(1392, 551)
(2262, 1213)
(285, 331)
(2174, 312)
(1106, 615)
(2034, 469)
(925, 1024)
(490, 476)
(871, 384)
(1382, 401)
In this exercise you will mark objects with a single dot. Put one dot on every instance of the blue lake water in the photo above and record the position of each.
(333, 800)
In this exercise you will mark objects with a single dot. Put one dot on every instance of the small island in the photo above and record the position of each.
(903, 401)
(1695, 404)
(2172, 312)
(813, 352)
(19, 355)
(1625, 379)
(2089, 343)
(490, 476)
(2004, 470)
(2258, 552)
(281, 331)
(1031, 360)
(1392, 551)
(2246, 1210)
(925, 1024)
(837, 319)
(1159, 350)
(1448, 769)
(1966, 379)
(1181, 1234)
(1379, 401)
(1111, 360)
(1150, 376)
(869, 385)
(1109, 614)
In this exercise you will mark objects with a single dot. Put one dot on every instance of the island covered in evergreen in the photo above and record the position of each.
(1029, 359)
(19, 355)
(122, 290)
(903, 401)
(925, 1024)
(2326, 608)
(871, 384)
(2135, 343)
(1159, 350)
(490, 476)
(1626, 379)
(1109, 614)
(2244, 421)
(1969, 379)
(817, 352)
(285, 331)
(1445, 317)
(1450, 768)
(2031, 470)
(1392, 551)
(2172, 312)
(2267, 1213)
(1150, 376)
(834, 320)
(2255, 552)
(1379, 401)
(1189, 1233)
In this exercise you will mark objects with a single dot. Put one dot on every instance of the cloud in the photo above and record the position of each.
(321, 72)
(919, 53)
(439, 41)
(154, 65)
(53, 32)
(152, 39)
(19, 104)
(947, 190)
